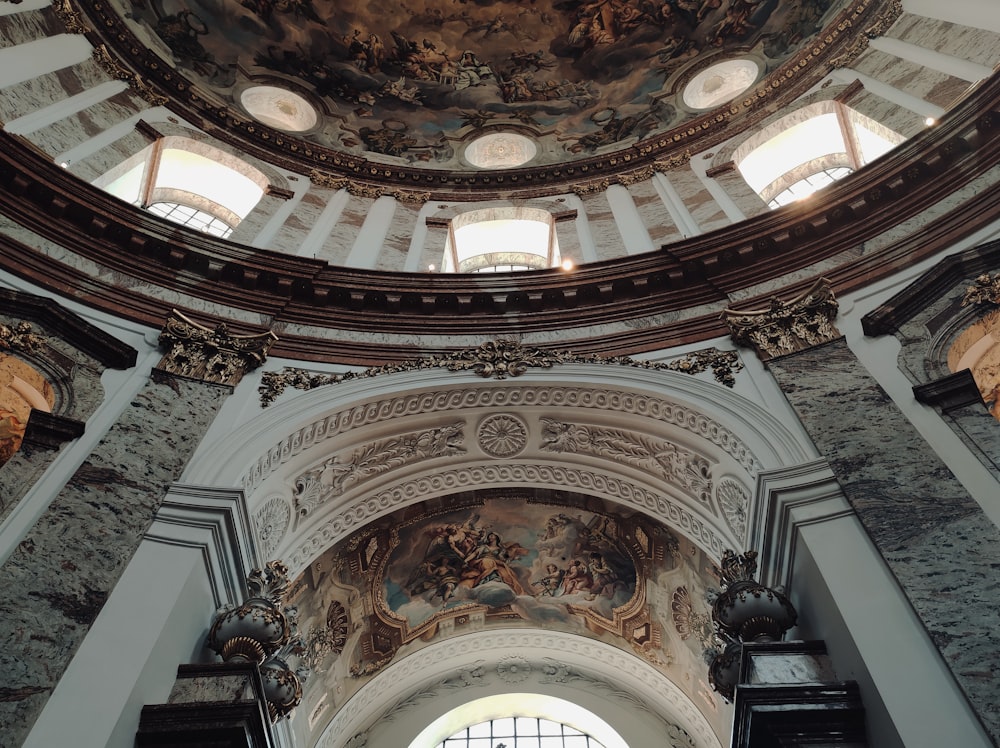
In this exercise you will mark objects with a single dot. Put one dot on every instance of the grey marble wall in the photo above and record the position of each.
(69, 562)
(942, 549)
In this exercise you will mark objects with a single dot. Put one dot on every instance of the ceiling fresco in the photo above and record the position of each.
(414, 80)
(506, 558)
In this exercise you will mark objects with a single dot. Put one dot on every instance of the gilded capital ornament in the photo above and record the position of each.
(787, 326)
(212, 355)
(984, 292)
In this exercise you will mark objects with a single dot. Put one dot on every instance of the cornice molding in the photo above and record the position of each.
(677, 293)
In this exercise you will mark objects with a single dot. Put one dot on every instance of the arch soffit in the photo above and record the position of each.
(611, 682)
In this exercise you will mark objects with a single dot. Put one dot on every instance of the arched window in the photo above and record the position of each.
(189, 183)
(519, 720)
(809, 149)
(520, 732)
(501, 239)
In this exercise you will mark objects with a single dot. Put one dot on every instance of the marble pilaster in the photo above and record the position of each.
(67, 564)
(942, 549)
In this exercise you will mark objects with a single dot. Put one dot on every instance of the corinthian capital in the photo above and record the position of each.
(787, 326)
(212, 355)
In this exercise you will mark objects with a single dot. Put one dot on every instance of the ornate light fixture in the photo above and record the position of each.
(263, 631)
(745, 611)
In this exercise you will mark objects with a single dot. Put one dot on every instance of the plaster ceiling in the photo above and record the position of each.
(412, 83)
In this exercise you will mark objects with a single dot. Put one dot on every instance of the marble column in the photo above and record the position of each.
(62, 572)
(940, 546)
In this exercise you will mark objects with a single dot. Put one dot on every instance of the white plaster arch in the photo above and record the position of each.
(738, 436)
(625, 691)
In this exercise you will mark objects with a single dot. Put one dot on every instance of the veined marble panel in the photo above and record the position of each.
(397, 242)
(338, 245)
(940, 546)
(974, 45)
(77, 128)
(68, 563)
(702, 205)
(294, 231)
(905, 76)
(19, 28)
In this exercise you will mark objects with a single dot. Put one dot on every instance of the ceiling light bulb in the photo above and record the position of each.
(930, 121)
(567, 264)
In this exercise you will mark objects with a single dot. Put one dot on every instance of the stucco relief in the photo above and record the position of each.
(506, 398)
(689, 471)
(343, 471)
(270, 523)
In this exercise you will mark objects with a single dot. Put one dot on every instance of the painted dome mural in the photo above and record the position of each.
(501, 559)
(412, 82)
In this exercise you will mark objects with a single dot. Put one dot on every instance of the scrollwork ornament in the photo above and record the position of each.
(502, 435)
(271, 522)
(513, 669)
(734, 501)
(20, 338)
(985, 291)
(116, 70)
(321, 179)
(70, 17)
(787, 326)
(212, 355)
(500, 359)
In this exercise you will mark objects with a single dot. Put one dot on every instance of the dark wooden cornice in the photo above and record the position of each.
(72, 328)
(932, 285)
(160, 261)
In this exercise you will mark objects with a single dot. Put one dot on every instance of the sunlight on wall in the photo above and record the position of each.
(501, 239)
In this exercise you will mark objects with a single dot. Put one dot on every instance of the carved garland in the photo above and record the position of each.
(500, 359)
(684, 469)
(339, 473)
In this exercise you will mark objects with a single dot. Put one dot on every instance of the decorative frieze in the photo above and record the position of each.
(334, 476)
(216, 356)
(688, 471)
(500, 359)
(787, 326)
(366, 189)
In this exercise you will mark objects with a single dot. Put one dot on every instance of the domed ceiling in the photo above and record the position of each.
(345, 86)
